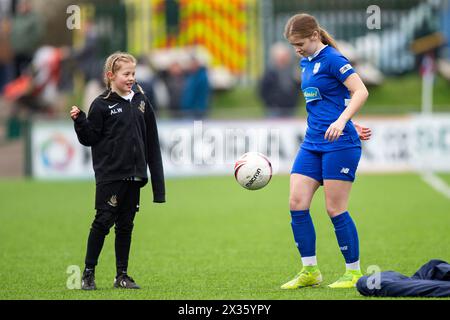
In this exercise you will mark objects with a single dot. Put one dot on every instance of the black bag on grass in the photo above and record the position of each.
(431, 280)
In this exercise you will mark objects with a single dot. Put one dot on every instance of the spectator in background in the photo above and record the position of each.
(5, 44)
(146, 78)
(445, 29)
(279, 87)
(195, 96)
(27, 31)
(36, 90)
(89, 62)
(46, 70)
(175, 83)
(88, 56)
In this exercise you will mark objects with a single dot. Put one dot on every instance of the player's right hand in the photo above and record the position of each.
(364, 133)
(74, 112)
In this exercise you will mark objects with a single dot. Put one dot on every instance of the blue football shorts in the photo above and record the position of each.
(328, 165)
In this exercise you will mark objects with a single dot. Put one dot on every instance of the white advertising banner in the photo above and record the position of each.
(193, 148)
(56, 152)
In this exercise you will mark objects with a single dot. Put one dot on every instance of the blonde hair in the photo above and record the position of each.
(303, 25)
(112, 64)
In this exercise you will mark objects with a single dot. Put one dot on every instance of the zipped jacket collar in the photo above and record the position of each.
(115, 97)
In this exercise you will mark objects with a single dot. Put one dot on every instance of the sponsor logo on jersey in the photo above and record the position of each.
(311, 94)
(345, 68)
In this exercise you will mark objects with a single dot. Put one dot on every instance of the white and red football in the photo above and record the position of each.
(253, 170)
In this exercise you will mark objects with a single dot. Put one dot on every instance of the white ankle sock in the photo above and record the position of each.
(309, 261)
(353, 266)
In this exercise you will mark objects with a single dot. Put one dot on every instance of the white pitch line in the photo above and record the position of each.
(436, 183)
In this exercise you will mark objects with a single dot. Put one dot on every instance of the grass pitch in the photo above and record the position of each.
(213, 239)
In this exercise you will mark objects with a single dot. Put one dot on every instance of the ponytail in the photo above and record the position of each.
(326, 38)
(139, 88)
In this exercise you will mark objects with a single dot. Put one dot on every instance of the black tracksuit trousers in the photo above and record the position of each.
(116, 203)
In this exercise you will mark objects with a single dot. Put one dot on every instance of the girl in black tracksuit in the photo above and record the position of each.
(121, 130)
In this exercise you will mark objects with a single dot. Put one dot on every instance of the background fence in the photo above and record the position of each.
(239, 33)
(387, 47)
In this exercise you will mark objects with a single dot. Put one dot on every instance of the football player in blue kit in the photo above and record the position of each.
(331, 150)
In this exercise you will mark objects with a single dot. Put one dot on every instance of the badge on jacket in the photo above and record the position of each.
(142, 106)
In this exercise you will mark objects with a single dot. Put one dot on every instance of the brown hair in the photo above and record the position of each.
(112, 64)
(303, 25)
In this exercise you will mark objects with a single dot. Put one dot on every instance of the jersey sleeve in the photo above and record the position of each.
(340, 68)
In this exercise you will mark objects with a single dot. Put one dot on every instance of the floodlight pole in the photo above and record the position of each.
(267, 27)
(426, 47)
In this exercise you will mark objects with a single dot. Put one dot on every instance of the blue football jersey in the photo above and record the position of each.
(326, 98)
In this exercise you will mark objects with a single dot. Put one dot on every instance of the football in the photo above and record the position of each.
(253, 170)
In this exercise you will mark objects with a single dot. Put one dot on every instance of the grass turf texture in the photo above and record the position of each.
(213, 239)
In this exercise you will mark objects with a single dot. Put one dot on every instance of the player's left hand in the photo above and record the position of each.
(335, 130)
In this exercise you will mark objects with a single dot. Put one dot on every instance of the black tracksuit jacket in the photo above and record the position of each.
(124, 139)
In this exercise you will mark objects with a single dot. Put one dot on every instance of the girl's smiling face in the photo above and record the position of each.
(123, 80)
